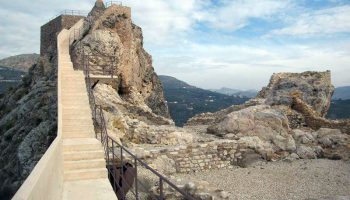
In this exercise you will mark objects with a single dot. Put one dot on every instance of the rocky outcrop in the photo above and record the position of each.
(110, 32)
(288, 115)
(27, 124)
(267, 123)
(313, 120)
(315, 88)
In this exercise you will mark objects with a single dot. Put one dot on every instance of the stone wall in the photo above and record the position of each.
(201, 156)
(46, 179)
(50, 30)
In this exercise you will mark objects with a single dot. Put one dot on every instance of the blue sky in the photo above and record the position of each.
(211, 43)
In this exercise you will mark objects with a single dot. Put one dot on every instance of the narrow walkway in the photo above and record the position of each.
(85, 173)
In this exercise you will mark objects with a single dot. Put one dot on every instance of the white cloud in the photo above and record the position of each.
(20, 22)
(233, 15)
(169, 29)
(325, 21)
(163, 21)
(246, 67)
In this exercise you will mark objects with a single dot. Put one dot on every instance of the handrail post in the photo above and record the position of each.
(114, 167)
(161, 192)
(121, 172)
(136, 184)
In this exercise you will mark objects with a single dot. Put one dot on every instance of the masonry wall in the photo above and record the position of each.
(203, 156)
(49, 32)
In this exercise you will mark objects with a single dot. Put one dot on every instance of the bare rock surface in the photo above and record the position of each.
(288, 115)
(315, 87)
(28, 125)
(110, 32)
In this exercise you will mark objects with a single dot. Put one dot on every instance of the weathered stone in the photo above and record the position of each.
(111, 33)
(306, 152)
(316, 89)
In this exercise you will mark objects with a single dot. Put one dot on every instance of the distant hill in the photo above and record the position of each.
(236, 92)
(20, 62)
(341, 93)
(9, 78)
(339, 109)
(185, 100)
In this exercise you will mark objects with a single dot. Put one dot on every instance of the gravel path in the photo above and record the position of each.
(302, 179)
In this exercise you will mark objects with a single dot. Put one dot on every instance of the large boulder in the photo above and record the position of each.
(315, 88)
(263, 121)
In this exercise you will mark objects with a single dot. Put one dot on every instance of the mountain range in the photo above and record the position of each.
(13, 68)
(9, 77)
(185, 100)
(20, 62)
(342, 93)
(236, 92)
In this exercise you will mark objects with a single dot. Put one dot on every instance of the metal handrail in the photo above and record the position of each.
(107, 69)
(109, 3)
(71, 12)
(106, 140)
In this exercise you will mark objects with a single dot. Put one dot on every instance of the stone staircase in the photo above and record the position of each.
(84, 166)
(83, 156)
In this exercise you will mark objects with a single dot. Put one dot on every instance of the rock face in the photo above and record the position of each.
(27, 124)
(110, 32)
(287, 115)
(262, 121)
(315, 88)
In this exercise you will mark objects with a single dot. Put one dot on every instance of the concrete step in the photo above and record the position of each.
(75, 71)
(72, 81)
(82, 122)
(81, 144)
(73, 84)
(83, 155)
(82, 101)
(68, 90)
(78, 118)
(66, 59)
(66, 63)
(76, 109)
(70, 75)
(83, 110)
(67, 71)
(75, 94)
(73, 87)
(78, 134)
(72, 78)
(72, 101)
(77, 128)
(75, 103)
(77, 113)
(85, 174)
(84, 164)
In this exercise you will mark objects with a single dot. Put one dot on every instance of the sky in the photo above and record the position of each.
(213, 43)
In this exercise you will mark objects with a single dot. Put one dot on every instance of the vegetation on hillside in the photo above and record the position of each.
(9, 78)
(339, 109)
(185, 101)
